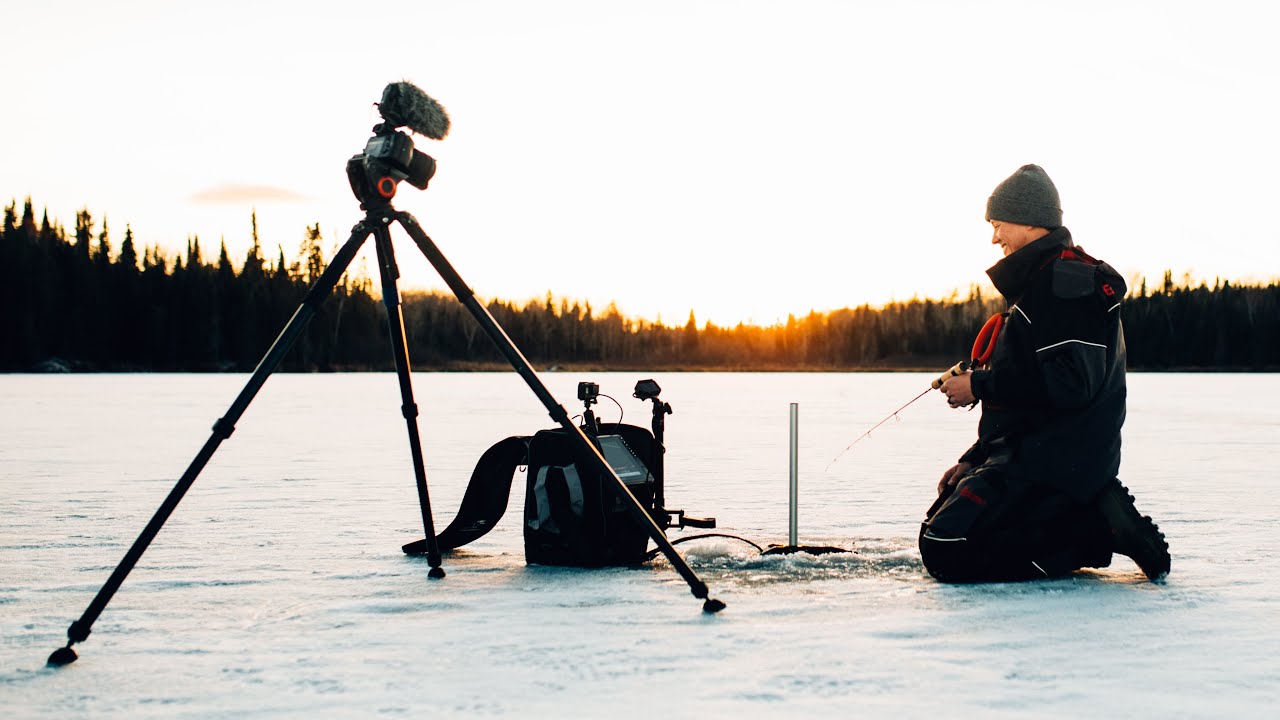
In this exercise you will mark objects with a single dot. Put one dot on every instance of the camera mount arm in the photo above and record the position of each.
(649, 390)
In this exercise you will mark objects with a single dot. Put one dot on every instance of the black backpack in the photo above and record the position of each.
(574, 516)
(571, 516)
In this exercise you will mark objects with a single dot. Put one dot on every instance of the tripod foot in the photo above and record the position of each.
(436, 573)
(712, 606)
(63, 656)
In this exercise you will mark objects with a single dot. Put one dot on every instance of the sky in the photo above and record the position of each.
(740, 160)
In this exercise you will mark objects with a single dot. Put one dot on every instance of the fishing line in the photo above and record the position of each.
(984, 347)
(892, 415)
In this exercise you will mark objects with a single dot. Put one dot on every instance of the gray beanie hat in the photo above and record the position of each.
(1026, 197)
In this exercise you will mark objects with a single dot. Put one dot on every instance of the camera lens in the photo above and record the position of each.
(421, 169)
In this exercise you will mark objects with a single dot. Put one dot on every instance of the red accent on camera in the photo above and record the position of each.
(386, 187)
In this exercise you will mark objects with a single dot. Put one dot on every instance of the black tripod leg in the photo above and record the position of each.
(222, 430)
(395, 325)
(557, 411)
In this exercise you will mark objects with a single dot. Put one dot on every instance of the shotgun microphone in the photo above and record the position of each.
(403, 103)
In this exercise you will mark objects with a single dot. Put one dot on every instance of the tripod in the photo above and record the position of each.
(377, 221)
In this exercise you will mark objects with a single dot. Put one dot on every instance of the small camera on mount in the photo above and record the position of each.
(588, 392)
(646, 390)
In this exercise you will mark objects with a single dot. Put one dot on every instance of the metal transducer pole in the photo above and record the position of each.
(793, 535)
(793, 538)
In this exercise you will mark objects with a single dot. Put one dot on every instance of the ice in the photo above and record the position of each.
(278, 588)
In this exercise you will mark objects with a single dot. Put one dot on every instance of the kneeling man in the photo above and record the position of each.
(1037, 495)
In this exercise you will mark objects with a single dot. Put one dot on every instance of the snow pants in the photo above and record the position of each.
(994, 526)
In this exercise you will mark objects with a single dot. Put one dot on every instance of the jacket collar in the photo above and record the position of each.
(1012, 274)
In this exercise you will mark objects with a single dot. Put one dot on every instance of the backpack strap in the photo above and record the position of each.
(486, 497)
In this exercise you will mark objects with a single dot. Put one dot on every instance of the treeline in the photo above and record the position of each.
(72, 300)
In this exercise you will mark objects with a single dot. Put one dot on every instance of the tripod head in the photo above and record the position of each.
(390, 156)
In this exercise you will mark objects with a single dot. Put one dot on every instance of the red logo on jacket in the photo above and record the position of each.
(967, 493)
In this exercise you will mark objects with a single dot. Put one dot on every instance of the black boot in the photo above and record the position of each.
(1132, 533)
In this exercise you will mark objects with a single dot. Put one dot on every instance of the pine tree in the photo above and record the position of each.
(84, 233)
(128, 253)
(689, 340)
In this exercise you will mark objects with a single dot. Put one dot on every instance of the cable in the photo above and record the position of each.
(654, 553)
(621, 412)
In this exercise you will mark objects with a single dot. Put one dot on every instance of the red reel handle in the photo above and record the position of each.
(985, 344)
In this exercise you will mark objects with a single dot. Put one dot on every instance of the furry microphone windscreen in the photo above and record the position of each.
(403, 103)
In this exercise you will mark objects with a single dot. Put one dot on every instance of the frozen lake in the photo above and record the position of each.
(278, 588)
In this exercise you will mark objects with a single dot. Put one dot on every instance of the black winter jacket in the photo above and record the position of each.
(1053, 394)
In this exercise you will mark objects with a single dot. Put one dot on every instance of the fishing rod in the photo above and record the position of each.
(983, 347)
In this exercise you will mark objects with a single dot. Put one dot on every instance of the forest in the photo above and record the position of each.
(74, 301)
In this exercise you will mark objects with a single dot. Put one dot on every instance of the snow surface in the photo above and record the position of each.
(278, 588)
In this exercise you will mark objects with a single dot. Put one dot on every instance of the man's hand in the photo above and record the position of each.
(958, 392)
(953, 475)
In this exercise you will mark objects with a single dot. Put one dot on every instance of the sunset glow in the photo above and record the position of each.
(742, 160)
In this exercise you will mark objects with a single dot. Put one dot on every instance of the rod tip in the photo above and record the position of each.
(62, 656)
(712, 606)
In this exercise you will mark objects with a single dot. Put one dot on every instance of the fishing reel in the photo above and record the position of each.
(984, 346)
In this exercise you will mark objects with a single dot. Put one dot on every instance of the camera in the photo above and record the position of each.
(395, 153)
(588, 392)
(389, 157)
(646, 390)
